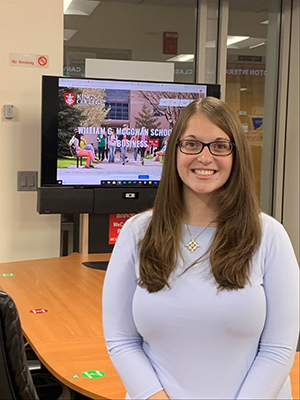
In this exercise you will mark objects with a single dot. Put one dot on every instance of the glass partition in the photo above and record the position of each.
(139, 31)
(246, 71)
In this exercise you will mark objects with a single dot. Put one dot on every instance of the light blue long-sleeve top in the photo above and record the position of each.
(193, 341)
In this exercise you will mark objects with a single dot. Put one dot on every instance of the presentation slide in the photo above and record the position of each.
(119, 130)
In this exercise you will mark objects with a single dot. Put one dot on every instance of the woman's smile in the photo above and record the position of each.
(204, 172)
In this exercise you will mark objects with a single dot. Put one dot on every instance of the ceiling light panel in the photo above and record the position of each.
(81, 7)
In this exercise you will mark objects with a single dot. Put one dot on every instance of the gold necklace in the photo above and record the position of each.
(192, 245)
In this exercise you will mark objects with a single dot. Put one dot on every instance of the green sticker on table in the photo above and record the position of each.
(7, 274)
(75, 376)
(93, 374)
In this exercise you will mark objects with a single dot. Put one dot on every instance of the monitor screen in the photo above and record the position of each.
(123, 125)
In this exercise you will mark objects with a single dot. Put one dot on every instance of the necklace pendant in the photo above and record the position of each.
(192, 245)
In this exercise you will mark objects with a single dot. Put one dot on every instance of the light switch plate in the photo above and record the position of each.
(27, 181)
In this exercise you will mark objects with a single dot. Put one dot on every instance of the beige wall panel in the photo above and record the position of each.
(32, 27)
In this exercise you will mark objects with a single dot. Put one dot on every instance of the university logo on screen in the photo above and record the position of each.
(81, 99)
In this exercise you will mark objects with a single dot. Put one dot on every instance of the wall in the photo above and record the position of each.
(34, 27)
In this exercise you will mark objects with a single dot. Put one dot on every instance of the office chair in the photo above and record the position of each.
(16, 381)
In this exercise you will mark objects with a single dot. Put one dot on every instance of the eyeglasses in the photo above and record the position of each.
(217, 148)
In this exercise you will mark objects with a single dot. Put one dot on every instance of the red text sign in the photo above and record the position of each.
(28, 60)
(116, 222)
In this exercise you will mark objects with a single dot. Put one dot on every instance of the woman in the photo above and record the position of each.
(134, 144)
(124, 138)
(144, 140)
(82, 152)
(162, 151)
(112, 142)
(86, 146)
(200, 299)
(101, 146)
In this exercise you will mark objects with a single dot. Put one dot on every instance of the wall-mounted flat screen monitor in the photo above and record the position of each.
(124, 124)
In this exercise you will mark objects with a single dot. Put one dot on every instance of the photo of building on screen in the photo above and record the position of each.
(113, 129)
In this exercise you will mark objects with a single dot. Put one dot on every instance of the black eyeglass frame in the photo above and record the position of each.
(232, 145)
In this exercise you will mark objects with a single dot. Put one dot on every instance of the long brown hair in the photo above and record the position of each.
(238, 232)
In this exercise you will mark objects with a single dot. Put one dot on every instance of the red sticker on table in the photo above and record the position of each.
(39, 311)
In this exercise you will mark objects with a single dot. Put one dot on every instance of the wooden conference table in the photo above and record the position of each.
(68, 338)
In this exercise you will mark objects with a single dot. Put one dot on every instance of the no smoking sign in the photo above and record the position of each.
(28, 60)
(42, 61)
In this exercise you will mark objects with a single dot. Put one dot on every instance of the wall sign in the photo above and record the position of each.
(257, 122)
(246, 71)
(170, 43)
(28, 60)
(116, 222)
(250, 58)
